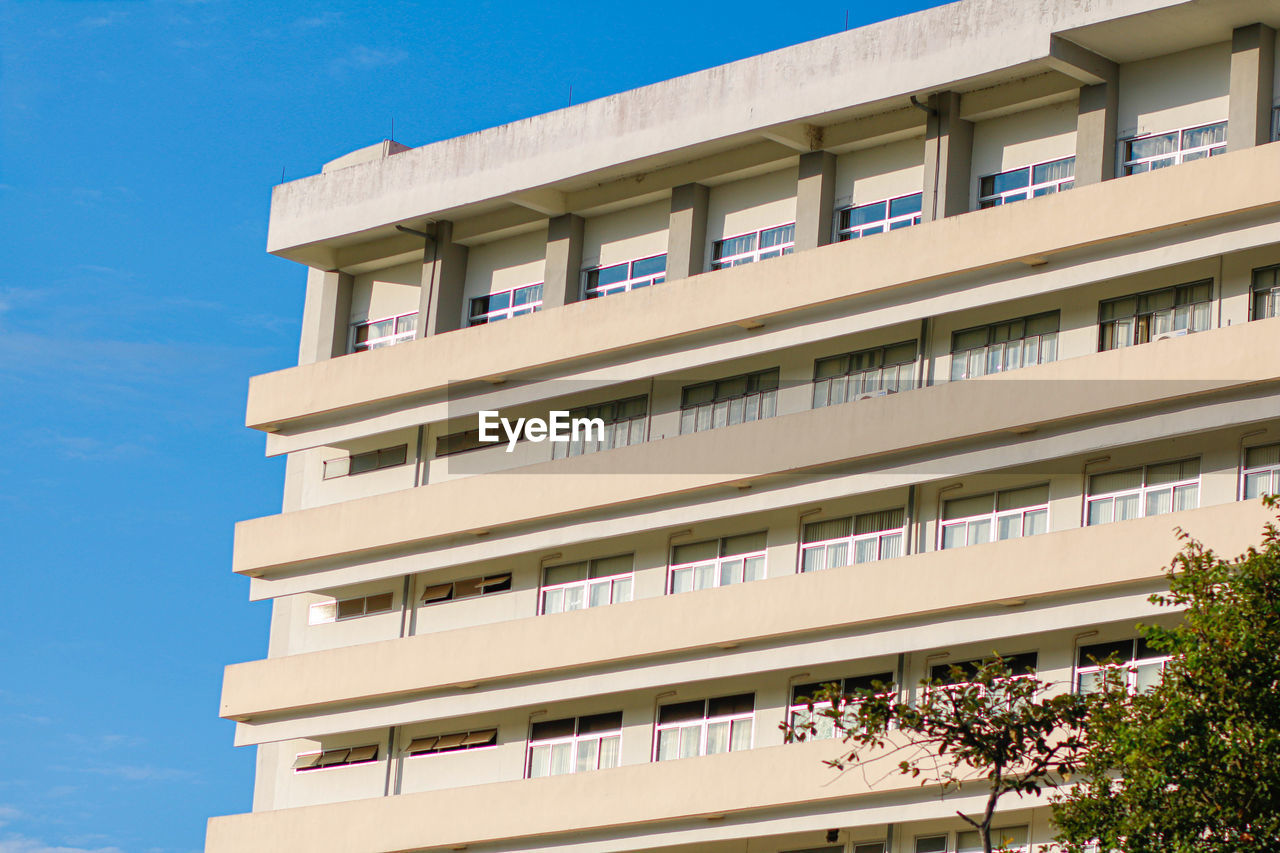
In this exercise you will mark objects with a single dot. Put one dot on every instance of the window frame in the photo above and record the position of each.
(718, 563)
(798, 712)
(889, 222)
(1270, 469)
(1012, 659)
(317, 613)
(396, 452)
(1125, 163)
(760, 403)
(581, 447)
(1142, 492)
(494, 315)
(1270, 294)
(1131, 666)
(460, 746)
(1144, 321)
(396, 337)
(1032, 189)
(994, 517)
(852, 541)
(574, 741)
(704, 723)
(631, 282)
(1043, 340)
(484, 585)
(756, 253)
(882, 375)
(586, 583)
(319, 763)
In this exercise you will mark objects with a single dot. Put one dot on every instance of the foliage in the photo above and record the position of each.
(1193, 766)
(988, 724)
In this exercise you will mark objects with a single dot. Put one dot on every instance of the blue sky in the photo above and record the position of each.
(140, 141)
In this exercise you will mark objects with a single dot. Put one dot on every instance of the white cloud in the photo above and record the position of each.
(25, 844)
(363, 57)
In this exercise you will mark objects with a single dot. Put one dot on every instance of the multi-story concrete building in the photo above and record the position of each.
(914, 343)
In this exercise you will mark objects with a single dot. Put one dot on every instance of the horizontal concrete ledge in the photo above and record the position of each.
(960, 46)
(706, 787)
(790, 606)
(1207, 362)
(1234, 184)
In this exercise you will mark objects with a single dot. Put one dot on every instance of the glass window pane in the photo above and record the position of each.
(979, 531)
(564, 574)
(588, 756)
(621, 590)
(717, 738)
(866, 213)
(1100, 511)
(1152, 146)
(753, 569)
(599, 594)
(1127, 507)
(965, 507)
(682, 580)
(953, 536)
(1020, 498)
(866, 550)
(1186, 497)
(905, 205)
(1009, 526)
(649, 266)
(741, 735)
(1159, 501)
(690, 741)
(611, 275)
(668, 744)
(891, 546)
(1035, 522)
(704, 576)
(1101, 484)
(539, 761)
(561, 758)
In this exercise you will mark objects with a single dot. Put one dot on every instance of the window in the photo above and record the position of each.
(1027, 182)
(931, 844)
(1003, 838)
(506, 304)
(862, 538)
(455, 742)
(389, 331)
(1019, 665)
(574, 745)
(619, 278)
(336, 757)
(804, 710)
(362, 463)
(1143, 491)
(888, 214)
(726, 402)
(1024, 342)
(705, 727)
(1142, 665)
(717, 562)
(461, 442)
(350, 608)
(1266, 293)
(1144, 317)
(870, 847)
(867, 373)
(624, 424)
(1158, 150)
(466, 588)
(590, 583)
(1261, 471)
(995, 516)
(756, 246)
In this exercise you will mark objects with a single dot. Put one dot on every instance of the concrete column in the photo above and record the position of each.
(1096, 133)
(687, 234)
(948, 156)
(326, 316)
(561, 281)
(1253, 58)
(444, 273)
(815, 199)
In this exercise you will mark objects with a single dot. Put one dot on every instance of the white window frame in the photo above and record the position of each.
(995, 840)
(397, 335)
(1127, 164)
(617, 589)
(851, 543)
(704, 724)
(1160, 322)
(512, 310)
(632, 282)
(326, 612)
(799, 714)
(1043, 346)
(753, 405)
(1130, 667)
(716, 567)
(755, 254)
(1032, 189)
(1270, 471)
(993, 520)
(1271, 295)
(1014, 676)
(862, 383)
(574, 742)
(876, 226)
(618, 431)
(1143, 492)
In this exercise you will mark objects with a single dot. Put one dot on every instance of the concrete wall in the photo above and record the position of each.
(751, 204)
(1021, 139)
(385, 293)
(1175, 91)
(504, 264)
(626, 235)
(885, 171)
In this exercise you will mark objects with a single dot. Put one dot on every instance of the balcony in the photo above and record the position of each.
(1234, 359)
(780, 609)
(1209, 194)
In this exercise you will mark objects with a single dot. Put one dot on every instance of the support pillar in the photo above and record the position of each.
(326, 316)
(1096, 133)
(1253, 59)
(561, 280)
(687, 233)
(444, 273)
(815, 199)
(948, 156)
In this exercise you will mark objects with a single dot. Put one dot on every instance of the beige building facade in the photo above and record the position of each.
(911, 345)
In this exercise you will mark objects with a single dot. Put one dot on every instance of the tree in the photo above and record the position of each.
(1194, 764)
(986, 722)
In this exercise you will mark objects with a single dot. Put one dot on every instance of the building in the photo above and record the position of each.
(832, 452)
